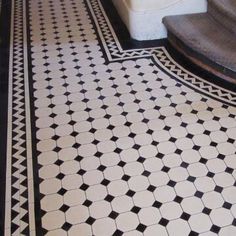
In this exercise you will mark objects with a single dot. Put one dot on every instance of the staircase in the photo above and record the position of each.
(208, 39)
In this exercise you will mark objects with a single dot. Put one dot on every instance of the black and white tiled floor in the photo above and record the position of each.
(110, 141)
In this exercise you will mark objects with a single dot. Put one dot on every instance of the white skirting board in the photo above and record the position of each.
(143, 18)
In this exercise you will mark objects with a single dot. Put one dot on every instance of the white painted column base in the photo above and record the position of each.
(143, 18)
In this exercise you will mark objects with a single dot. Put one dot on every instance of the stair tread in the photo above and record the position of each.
(204, 35)
(226, 6)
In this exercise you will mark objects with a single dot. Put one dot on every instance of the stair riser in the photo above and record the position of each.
(202, 61)
(220, 16)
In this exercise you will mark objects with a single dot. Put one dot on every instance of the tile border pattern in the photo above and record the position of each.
(19, 208)
(19, 211)
(160, 55)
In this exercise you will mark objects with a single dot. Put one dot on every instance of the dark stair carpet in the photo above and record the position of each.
(208, 39)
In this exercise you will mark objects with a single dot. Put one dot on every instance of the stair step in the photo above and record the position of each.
(200, 38)
(224, 11)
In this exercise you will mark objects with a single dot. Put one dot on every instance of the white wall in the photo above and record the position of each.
(143, 18)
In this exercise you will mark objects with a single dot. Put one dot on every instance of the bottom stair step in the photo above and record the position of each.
(205, 42)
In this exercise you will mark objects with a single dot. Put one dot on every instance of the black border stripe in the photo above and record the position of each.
(35, 153)
(5, 30)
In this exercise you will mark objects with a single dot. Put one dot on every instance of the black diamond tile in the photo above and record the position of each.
(167, 128)
(171, 183)
(203, 160)
(198, 194)
(84, 187)
(145, 120)
(178, 151)
(172, 139)
(118, 233)
(95, 142)
(76, 145)
(66, 226)
(164, 222)
(141, 110)
(90, 119)
(183, 124)
(193, 233)
(125, 177)
(109, 198)
(62, 191)
(149, 131)
(195, 147)
(90, 220)
(160, 155)
(213, 144)
(161, 117)
(81, 172)
(60, 176)
(113, 215)
(128, 124)
(215, 229)
(154, 143)
(206, 211)
(223, 129)
(146, 173)
(184, 164)
(165, 169)
(132, 135)
(178, 199)
(229, 170)
(114, 139)
(218, 189)
(191, 179)
(101, 168)
(185, 216)
(87, 203)
(79, 158)
(135, 209)
(200, 121)
(121, 164)
(210, 174)
(118, 150)
(64, 208)
(74, 134)
(136, 146)
(221, 156)
(207, 132)
(98, 154)
(92, 130)
(141, 228)
(227, 205)
(157, 204)
(141, 159)
(58, 162)
(105, 182)
(130, 193)
(151, 188)
(57, 149)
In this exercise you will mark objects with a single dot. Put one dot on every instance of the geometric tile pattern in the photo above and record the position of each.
(115, 52)
(124, 147)
(18, 209)
(18, 204)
